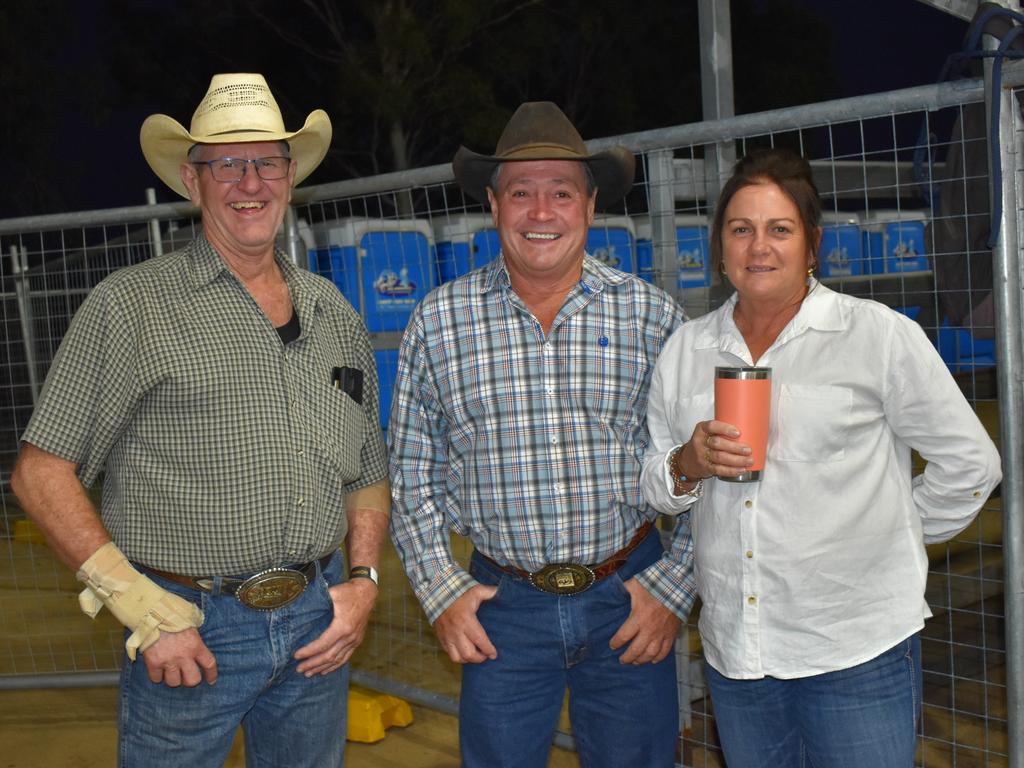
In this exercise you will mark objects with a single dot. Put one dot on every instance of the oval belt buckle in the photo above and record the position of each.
(272, 588)
(563, 578)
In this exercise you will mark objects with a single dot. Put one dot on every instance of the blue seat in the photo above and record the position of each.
(962, 352)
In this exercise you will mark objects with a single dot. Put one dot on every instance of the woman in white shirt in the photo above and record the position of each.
(812, 578)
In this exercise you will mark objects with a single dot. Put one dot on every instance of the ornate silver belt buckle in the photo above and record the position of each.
(272, 588)
(563, 578)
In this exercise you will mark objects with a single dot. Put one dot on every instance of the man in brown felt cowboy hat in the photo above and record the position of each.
(519, 420)
(230, 400)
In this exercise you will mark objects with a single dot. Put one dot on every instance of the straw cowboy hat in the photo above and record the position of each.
(236, 108)
(539, 130)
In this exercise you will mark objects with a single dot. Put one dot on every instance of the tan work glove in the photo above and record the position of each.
(136, 601)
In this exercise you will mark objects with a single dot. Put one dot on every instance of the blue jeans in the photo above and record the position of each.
(622, 715)
(865, 715)
(289, 720)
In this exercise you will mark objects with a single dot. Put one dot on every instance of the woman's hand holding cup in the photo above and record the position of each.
(714, 451)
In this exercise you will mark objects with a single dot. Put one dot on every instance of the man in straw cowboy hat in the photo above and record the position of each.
(519, 420)
(230, 399)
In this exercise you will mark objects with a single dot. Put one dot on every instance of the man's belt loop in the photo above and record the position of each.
(574, 578)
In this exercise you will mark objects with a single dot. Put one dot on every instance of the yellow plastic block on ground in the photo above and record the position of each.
(369, 713)
(25, 530)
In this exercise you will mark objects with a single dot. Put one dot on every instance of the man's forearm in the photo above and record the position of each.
(48, 490)
(50, 493)
(368, 511)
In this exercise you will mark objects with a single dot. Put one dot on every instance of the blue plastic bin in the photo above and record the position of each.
(692, 246)
(383, 267)
(841, 253)
(612, 239)
(464, 243)
(894, 241)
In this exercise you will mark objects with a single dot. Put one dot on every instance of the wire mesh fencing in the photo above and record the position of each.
(904, 179)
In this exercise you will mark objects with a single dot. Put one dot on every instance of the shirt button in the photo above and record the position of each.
(300, 501)
(977, 494)
(554, 440)
(748, 503)
(302, 451)
(752, 600)
(750, 554)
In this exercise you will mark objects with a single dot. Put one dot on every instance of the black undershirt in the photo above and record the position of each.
(290, 331)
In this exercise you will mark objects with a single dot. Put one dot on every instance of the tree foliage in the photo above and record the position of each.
(404, 81)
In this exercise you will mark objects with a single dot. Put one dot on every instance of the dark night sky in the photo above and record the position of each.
(878, 45)
(884, 45)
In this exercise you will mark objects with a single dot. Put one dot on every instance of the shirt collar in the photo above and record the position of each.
(207, 266)
(821, 310)
(596, 275)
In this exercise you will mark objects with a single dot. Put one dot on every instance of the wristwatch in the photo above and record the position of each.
(678, 478)
(364, 572)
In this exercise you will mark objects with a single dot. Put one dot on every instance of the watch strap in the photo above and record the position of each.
(364, 572)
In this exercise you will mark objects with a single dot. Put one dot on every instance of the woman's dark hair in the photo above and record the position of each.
(787, 170)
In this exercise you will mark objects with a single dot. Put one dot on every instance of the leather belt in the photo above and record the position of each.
(573, 578)
(263, 591)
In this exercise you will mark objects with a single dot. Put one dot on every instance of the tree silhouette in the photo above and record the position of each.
(404, 81)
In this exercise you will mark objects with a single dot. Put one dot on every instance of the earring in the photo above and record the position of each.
(810, 268)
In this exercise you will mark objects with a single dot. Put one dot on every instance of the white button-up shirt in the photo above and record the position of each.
(821, 564)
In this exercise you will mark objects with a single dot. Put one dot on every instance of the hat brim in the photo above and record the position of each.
(613, 170)
(165, 145)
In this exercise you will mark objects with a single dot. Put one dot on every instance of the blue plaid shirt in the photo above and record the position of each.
(531, 445)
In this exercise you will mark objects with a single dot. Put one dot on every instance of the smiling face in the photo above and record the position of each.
(542, 212)
(240, 219)
(766, 250)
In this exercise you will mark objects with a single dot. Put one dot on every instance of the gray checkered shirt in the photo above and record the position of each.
(224, 450)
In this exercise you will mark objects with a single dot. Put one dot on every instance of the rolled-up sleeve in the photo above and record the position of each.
(927, 410)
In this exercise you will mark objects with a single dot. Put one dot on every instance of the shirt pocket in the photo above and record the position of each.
(813, 422)
(342, 431)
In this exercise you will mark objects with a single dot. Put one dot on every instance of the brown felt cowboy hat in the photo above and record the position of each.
(539, 130)
(236, 108)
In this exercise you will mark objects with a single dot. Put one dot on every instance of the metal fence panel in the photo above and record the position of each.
(883, 165)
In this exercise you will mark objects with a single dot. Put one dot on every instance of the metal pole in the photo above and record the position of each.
(930, 97)
(662, 206)
(1009, 332)
(156, 241)
(67, 680)
(292, 241)
(28, 338)
(716, 87)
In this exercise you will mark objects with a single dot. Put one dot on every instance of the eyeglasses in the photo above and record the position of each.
(232, 169)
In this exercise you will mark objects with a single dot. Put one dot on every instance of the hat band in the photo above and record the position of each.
(536, 150)
(241, 130)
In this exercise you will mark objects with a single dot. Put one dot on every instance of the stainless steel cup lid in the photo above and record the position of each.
(742, 372)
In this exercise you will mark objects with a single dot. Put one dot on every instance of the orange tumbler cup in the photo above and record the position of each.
(743, 398)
